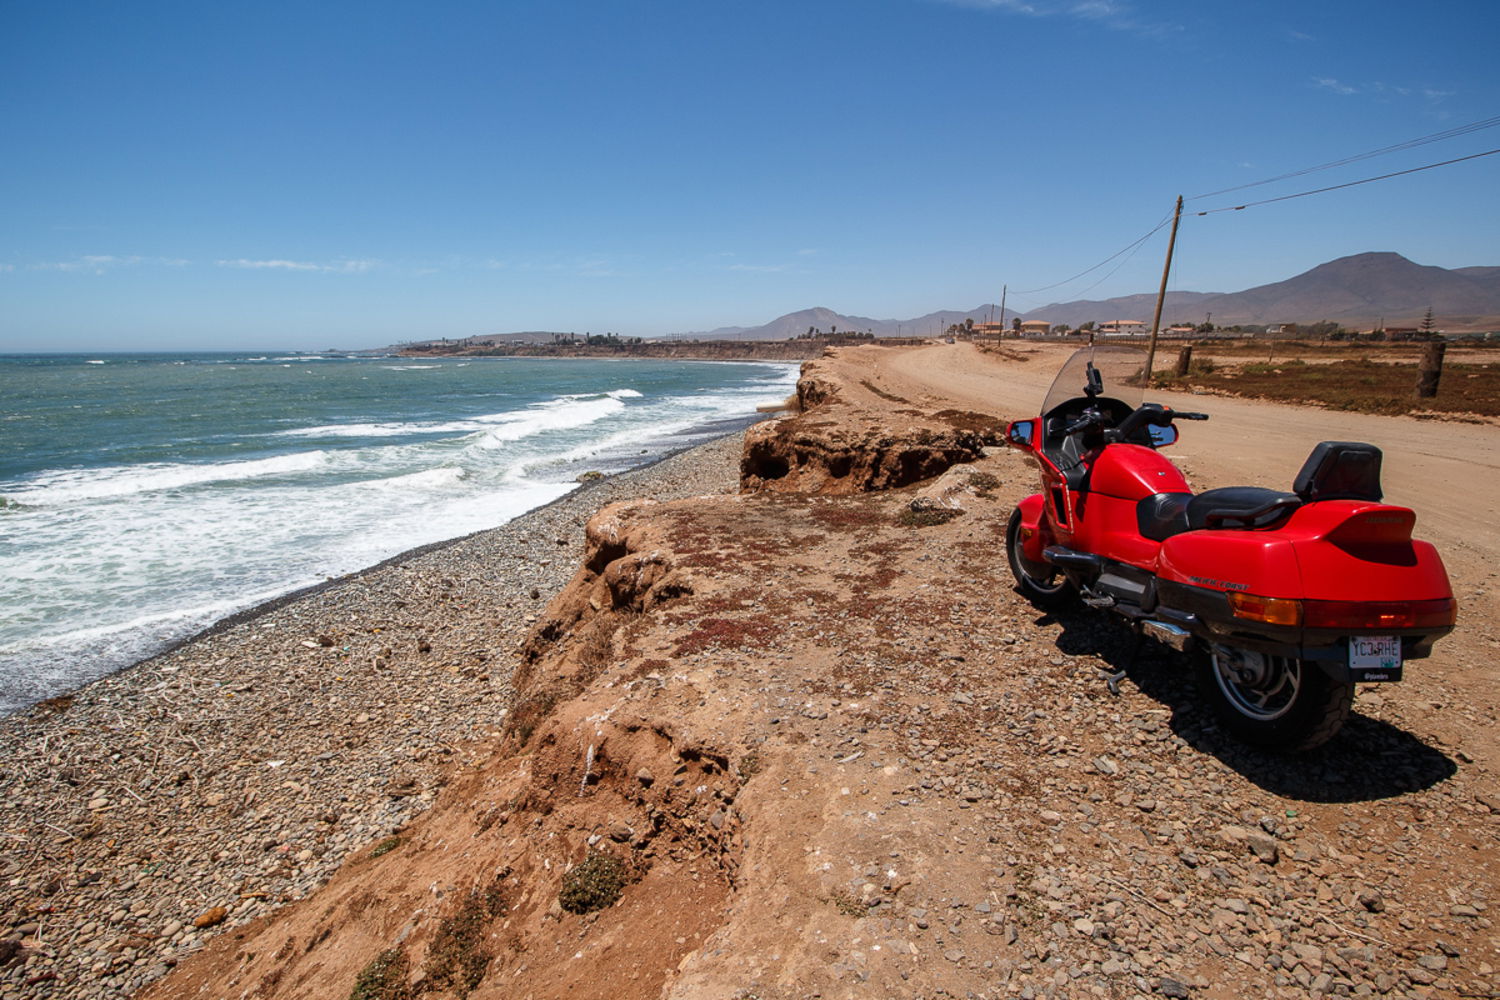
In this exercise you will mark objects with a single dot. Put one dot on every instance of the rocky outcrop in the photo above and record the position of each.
(840, 444)
(626, 570)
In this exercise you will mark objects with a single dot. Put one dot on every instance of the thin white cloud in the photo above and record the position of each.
(809, 252)
(98, 263)
(1382, 91)
(1112, 14)
(1329, 83)
(758, 268)
(1299, 36)
(278, 264)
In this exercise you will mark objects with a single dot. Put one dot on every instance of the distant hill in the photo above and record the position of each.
(1361, 290)
(795, 324)
(1358, 291)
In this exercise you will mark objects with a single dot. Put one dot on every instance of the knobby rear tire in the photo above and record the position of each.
(1043, 584)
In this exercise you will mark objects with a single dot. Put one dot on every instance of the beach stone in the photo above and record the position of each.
(402, 785)
(211, 917)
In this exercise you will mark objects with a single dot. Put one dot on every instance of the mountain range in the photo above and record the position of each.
(1359, 292)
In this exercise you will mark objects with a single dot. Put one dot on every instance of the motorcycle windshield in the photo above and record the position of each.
(1120, 375)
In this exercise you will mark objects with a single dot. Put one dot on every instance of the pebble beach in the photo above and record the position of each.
(203, 788)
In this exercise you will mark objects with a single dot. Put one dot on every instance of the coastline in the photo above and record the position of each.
(261, 608)
(239, 769)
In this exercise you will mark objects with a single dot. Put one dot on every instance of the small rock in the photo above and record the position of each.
(210, 918)
(402, 785)
(1372, 900)
(1263, 847)
(1172, 988)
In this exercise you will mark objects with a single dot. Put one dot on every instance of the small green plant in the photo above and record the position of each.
(590, 477)
(848, 905)
(386, 846)
(593, 884)
(750, 765)
(458, 958)
(384, 978)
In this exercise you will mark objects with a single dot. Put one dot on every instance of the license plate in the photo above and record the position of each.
(1375, 658)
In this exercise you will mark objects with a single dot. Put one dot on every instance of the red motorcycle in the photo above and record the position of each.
(1288, 599)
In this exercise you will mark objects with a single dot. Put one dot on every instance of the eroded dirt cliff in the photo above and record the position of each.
(852, 436)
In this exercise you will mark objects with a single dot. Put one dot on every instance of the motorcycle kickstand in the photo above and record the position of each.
(1113, 678)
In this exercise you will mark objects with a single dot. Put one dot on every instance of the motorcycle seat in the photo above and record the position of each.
(1239, 507)
(1336, 470)
(1161, 516)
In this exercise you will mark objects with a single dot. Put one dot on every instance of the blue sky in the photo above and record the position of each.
(241, 175)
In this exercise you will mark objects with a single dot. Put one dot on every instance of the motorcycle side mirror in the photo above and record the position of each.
(1163, 436)
(1020, 434)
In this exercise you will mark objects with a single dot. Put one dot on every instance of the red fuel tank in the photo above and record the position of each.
(1133, 471)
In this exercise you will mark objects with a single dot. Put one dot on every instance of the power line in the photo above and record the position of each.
(1130, 249)
(1451, 133)
(1336, 187)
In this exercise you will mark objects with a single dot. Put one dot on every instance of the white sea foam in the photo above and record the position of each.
(426, 479)
(554, 415)
(119, 481)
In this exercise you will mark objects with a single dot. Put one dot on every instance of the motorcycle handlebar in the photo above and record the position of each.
(1189, 416)
(1087, 420)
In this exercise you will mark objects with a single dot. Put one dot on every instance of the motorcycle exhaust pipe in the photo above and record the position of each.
(1167, 634)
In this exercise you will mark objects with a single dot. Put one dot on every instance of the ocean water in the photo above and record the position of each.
(143, 497)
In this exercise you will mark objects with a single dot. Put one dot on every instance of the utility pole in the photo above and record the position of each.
(1161, 294)
(1003, 290)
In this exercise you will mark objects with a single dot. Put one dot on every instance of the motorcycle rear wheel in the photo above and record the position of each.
(1043, 584)
(1276, 702)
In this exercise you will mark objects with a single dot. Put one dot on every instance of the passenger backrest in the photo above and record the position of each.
(1340, 470)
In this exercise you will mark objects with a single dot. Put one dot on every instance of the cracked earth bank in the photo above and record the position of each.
(809, 745)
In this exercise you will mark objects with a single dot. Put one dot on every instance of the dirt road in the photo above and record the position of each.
(1447, 471)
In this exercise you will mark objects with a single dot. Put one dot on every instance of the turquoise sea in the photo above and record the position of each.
(145, 496)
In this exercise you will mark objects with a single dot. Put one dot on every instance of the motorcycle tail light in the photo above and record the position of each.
(1271, 610)
(1376, 616)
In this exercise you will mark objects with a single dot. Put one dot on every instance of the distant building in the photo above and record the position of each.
(1035, 328)
(1122, 328)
